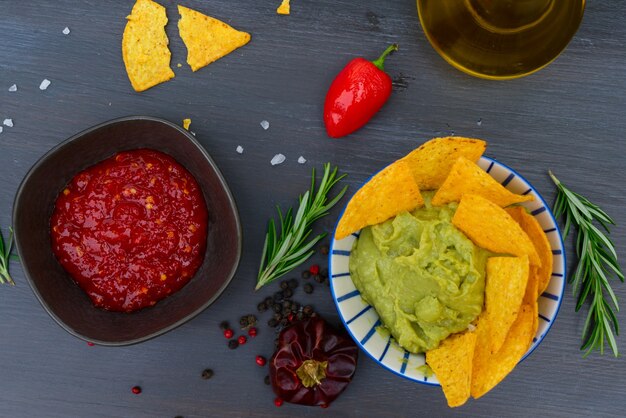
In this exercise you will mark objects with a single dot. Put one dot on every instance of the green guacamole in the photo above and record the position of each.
(425, 278)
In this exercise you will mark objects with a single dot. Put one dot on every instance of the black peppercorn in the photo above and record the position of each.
(307, 310)
(308, 288)
(207, 374)
(284, 285)
(324, 250)
(232, 344)
(267, 380)
(261, 307)
(243, 321)
(251, 320)
(293, 283)
(278, 316)
(306, 274)
(224, 325)
(288, 293)
(284, 322)
(269, 301)
(324, 273)
(277, 307)
(287, 304)
(272, 322)
(278, 296)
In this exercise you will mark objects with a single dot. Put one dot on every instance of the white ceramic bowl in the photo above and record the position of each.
(362, 321)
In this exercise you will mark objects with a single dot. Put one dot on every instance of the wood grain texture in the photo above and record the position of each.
(568, 117)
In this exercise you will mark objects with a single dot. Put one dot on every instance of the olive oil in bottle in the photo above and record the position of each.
(500, 39)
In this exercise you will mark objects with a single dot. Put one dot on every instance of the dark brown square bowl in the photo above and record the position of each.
(59, 295)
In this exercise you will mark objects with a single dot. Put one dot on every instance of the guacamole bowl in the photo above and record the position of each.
(365, 326)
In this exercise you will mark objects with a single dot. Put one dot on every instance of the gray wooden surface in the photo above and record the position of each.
(569, 117)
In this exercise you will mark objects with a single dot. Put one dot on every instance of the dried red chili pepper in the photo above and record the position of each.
(313, 363)
(356, 94)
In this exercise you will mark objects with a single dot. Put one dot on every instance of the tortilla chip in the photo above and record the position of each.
(533, 229)
(452, 364)
(467, 177)
(144, 46)
(284, 8)
(491, 227)
(530, 296)
(489, 369)
(504, 290)
(432, 161)
(186, 123)
(207, 39)
(388, 193)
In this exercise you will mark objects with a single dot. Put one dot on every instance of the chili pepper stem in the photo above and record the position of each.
(380, 62)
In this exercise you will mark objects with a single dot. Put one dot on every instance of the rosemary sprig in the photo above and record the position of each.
(5, 256)
(282, 253)
(597, 263)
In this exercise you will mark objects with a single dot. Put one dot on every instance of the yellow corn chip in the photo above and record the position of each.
(491, 227)
(144, 46)
(388, 193)
(452, 364)
(432, 161)
(504, 290)
(467, 177)
(530, 295)
(207, 39)
(533, 229)
(489, 369)
(284, 8)
(186, 123)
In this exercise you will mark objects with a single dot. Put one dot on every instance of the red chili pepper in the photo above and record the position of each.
(356, 94)
(313, 363)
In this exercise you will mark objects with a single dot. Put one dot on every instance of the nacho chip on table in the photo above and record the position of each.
(491, 227)
(144, 46)
(452, 364)
(432, 161)
(467, 177)
(533, 229)
(490, 369)
(506, 280)
(206, 38)
(284, 8)
(385, 195)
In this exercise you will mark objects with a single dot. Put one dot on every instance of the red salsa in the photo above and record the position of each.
(130, 230)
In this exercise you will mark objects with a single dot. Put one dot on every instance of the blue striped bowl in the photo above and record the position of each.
(362, 321)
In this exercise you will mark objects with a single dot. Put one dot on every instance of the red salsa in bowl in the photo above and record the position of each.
(130, 230)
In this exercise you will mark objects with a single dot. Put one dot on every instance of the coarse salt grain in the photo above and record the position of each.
(8, 122)
(0, 129)
(13, 87)
(66, 31)
(278, 159)
(302, 160)
(44, 84)
(265, 124)
(239, 149)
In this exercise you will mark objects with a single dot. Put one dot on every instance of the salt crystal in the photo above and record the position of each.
(44, 84)
(302, 160)
(479, 122)
(239, 149)
(471, 327)
(278, 159)
(13, 87)
(0, 129)
(66, 31)
(8, 122)
(265, 124)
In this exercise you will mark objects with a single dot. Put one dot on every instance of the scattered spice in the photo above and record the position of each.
(207, 374)
(66, 31)
(224, 325)
(306, 275)
(308, 288)
(252, 332)
(314, 269)
(232, 344)
(44, 84)
(90, 344)
(324, 250)
(136, 390)
(267, 380)
(242, 339)
(260, 360)
(228, 333)
(278, 402)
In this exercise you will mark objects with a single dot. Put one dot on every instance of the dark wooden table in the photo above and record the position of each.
(568, 117)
